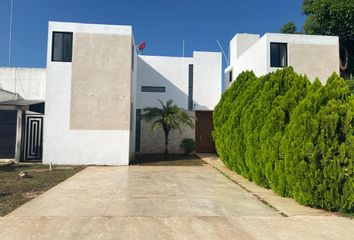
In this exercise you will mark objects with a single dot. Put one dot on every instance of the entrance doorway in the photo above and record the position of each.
(203, 129)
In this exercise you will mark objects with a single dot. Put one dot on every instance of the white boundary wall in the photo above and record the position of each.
(28, 82)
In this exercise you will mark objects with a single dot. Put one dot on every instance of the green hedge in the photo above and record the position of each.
(284, 133)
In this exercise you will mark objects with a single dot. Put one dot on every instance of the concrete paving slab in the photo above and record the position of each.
(144, 207)
(243, 228)
(160, 203)
(286, 206)
(145, 191)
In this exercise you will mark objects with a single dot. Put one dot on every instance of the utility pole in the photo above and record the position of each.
(10, 31)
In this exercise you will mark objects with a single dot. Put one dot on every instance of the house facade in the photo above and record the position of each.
(94, 90)
(310, 55)
(194, 83)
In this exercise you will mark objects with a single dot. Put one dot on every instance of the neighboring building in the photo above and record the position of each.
(314, 56)
(96, 87)
(22, 94)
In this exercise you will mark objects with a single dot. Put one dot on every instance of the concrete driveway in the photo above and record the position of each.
(159, 203)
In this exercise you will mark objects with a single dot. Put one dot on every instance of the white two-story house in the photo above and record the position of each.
(311, 55)
(95, 89)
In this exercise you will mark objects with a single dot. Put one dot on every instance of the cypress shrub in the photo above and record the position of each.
(318, 148)
(283, 132)
(227, 121)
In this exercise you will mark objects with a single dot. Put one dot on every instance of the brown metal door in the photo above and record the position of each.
(203, 129)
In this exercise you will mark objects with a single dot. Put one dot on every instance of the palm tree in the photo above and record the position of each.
(169, 117)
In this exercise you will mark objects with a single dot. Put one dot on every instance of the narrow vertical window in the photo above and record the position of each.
(138, 130)
(190, 87)
(62, 45)
(230, 76)
(278, 54)
(133, 52)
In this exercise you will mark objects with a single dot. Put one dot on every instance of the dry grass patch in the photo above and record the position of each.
(15, 191)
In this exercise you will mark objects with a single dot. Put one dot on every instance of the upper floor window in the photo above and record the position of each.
(230, 76)
(153, 89)
(278, 54)
(133, 55)
(190, 86)
(62, 46)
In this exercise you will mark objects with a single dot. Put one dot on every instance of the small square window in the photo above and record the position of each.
(62, 45)
(278, 55)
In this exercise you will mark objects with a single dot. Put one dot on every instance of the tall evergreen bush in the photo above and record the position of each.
(295, 137)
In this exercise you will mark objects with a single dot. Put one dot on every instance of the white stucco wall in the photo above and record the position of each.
(173, 74)
(207, 80)
(28, 82)
(240, 43)
(257, 56)
(255, 59)
(62, 145)
(322, 65)
(168, 72)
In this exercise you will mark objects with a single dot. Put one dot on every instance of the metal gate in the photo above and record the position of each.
(33, 137)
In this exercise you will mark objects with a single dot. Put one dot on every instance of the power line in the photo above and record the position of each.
(10, 31)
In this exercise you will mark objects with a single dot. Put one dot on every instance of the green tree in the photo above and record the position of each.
(351, 86)
(296, 137)
(333, 17)
(289, 28)
(317, 147)
(228, 120)
(168, 117)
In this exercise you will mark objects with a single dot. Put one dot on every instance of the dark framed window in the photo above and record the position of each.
(190, 86)
(230, 76)
(133, 54)
(62, 46)
(138, 130)
(153, 89)
(278, 54)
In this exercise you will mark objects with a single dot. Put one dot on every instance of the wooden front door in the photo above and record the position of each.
(203, 129)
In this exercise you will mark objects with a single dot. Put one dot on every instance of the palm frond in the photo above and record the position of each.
(152, 113)
(156, 124)
(169, 116)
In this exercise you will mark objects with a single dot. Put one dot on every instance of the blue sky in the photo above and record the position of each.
(162, 24)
